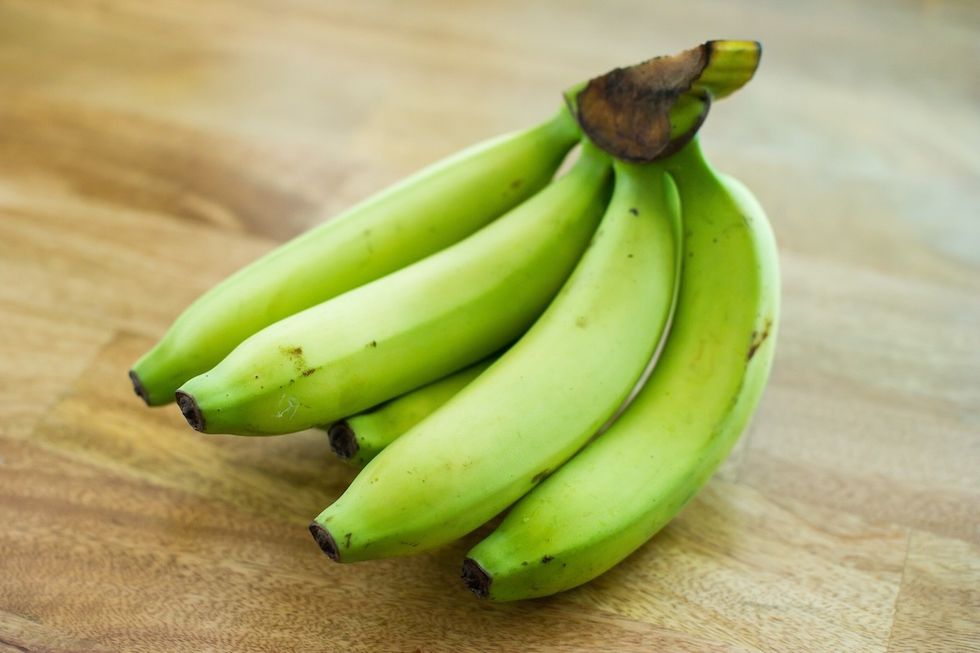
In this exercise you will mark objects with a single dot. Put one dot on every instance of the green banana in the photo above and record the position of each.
(426, 212)
(360, 438)
(409, 328)
(538, 404)
(627, 484)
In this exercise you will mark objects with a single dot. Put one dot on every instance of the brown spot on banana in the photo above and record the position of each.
(758, 338)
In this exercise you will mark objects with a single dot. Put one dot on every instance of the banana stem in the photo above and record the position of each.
(649, 111)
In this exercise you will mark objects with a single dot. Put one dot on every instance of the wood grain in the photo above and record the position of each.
(895, 417)
(763, 573)
(39, 354)
(940, 595)
(147, 150)
(19, 634)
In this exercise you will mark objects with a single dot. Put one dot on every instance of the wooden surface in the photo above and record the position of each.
(147, 149)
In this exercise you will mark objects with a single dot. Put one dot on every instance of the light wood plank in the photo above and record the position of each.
(119, 541)
(18, 634)
(763, 573)
(882, 373)
(103, 265)
(42, 354)
(149, 149)
(938, 609)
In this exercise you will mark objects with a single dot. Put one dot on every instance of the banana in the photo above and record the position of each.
(426, 212)
(360, 438)
(409, 328)
(627, 484)
(538, 404)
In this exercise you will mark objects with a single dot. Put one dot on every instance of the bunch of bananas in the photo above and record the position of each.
(584, 350)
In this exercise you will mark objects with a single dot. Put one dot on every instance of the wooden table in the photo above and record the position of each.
(148, 149)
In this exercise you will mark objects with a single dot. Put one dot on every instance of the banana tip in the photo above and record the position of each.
(192, 412)
(325, 540)
(342, 440)
(138, 387)
(476, 578)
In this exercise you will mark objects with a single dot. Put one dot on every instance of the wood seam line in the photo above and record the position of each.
(647, 627)
(901, 586)
(112, 335)
(14, 645)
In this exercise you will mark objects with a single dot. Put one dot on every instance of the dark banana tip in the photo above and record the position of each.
(476, 578)
(325, 540)
(138, 387)
(190, 409)
(342, 440)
